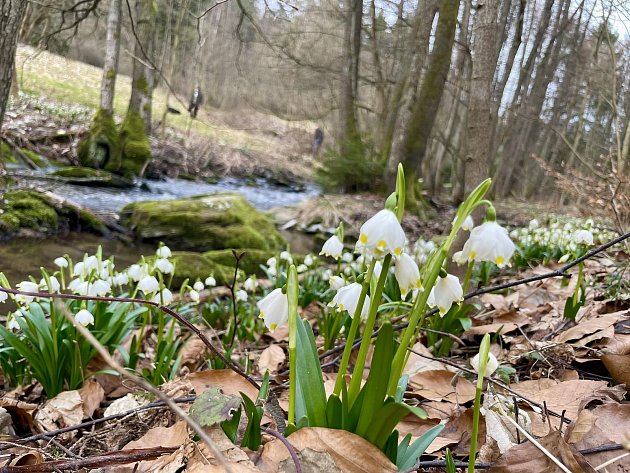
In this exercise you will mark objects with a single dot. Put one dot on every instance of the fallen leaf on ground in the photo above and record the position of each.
(459, 431)
(619, 368)
(92, 393)
(202, 459)
(590, 326)
(229, 382)
(63, 410)
(326, 450)
(527, 458)
(417, 364)
(270, 359)
(436, 385)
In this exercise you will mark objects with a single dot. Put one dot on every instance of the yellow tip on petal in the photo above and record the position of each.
(398, 251)
(381, 244)
(363, 239)
(261, 316)
(472, 255)
(272, 327)
(499, 260)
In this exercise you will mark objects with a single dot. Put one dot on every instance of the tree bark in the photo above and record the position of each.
(112, 49)
(11, 13)
(480, 128)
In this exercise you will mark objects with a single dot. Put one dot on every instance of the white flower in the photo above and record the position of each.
(61, 262)
(272, 262)
(12, 323)
(78, 286)
(84, 317)
(250, 284)
(285, 255)
(210, 281)
(54, 284)
(163, 252)
(137, 272)
(378, 267)
(120, 279)
(347, 298)
(99, 288)
(332, 247)
(194, 295)
(489, 242)
(407, 274)
(3, 296)
(446, 291)
(107, 267)
(534, 224)
(164, 297)
(458, 257)
(26, 286)
(584, 237)
(491, 366)
(302, 268)
(347, 257)
(336, 282)
(164, 266)
(468, 223)
(308, 260)
(148, 284)
(198, 286)
(382, 234)
(274, 309)
(241, 295)
(79, 269)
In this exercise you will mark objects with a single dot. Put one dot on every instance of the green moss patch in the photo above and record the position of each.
(249, 263)
(202, 223)
(6, 153)
(135, 147)
(100, 149)
(192, 266)
(91, 177)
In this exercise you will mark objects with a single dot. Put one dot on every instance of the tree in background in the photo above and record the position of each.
(11, 13)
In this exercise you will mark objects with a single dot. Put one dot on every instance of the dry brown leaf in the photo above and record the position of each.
(64, 410)
(92, 393)
(619, 368)
(202, 459)
(459, 428)
(604, 425)
(527, 458)
(271, 358)
(500, 327)
(231, 383)
(619, 344)
(501, 303)
(417, 364)
(436, 385)
(327, 450)
(590, 326)
(192, 352)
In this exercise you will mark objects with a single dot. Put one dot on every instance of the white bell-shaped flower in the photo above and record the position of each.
(26, 286)
(446, 291)
(241, 295)
(99, 288)
(164, 265)
(583, 237)
(381, 234)
(308, 260)
(407, 274)
(347, 298)
(210, 281)
(148, 284)
(120, 279)
(3, 296)
(489, 242)
(194, 295)
(336, 282)
(137, 272)
(163, 252)
(61, 262)
(274, 309)
(54, 284)
(84, 317)
(332, 247)
(250, 284)
(165, 297)
(12, 322)
(286, 256)
(468, 223)
(198, 286)
(491, 366)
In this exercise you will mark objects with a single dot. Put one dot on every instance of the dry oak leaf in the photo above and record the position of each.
(417, 364)
(92, 393)
(527, 458)
(326, 450)
(591, 326)
(436, 385)
(619, 368)
(202, 459)
(63, 410)
(231, 383)
(270, 359)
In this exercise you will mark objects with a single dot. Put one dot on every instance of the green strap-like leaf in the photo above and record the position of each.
(311, 396)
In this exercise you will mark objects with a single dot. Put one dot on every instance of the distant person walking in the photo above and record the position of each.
(318, 139)
(195, 101)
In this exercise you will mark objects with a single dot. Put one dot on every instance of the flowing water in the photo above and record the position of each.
(22, 257)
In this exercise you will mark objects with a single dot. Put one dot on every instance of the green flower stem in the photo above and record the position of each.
(357, 373)
(292, 297)
(354, 326)
(484, 350)
(469, 271)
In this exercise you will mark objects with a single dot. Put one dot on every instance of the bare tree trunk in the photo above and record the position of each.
(110, 65)
(479, 133)
(352, 49)
(11, 13)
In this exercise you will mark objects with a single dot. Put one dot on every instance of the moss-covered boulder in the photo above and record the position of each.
(195, 266)
(91, 177)
(202, 223)
(31, 213)
(249, 263)
(6, 153)
(135, 148)
(100, 149)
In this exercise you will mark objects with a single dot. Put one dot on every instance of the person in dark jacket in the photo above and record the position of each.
(318, 139)
(195, 101)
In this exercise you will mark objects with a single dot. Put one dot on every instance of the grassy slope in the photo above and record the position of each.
(73, 82)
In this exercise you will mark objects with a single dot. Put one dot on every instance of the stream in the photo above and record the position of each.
(22, 257)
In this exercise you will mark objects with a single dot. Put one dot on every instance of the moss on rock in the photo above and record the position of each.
(91, 177)
(192, 266)
(100, 149)
(135, 147)
(6, 153)
(35, 158)
(249, 263)
(202, 223)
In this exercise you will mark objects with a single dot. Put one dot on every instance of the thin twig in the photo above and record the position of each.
(611, 461)
(146, 385)
(292, 452)
(232, 289)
